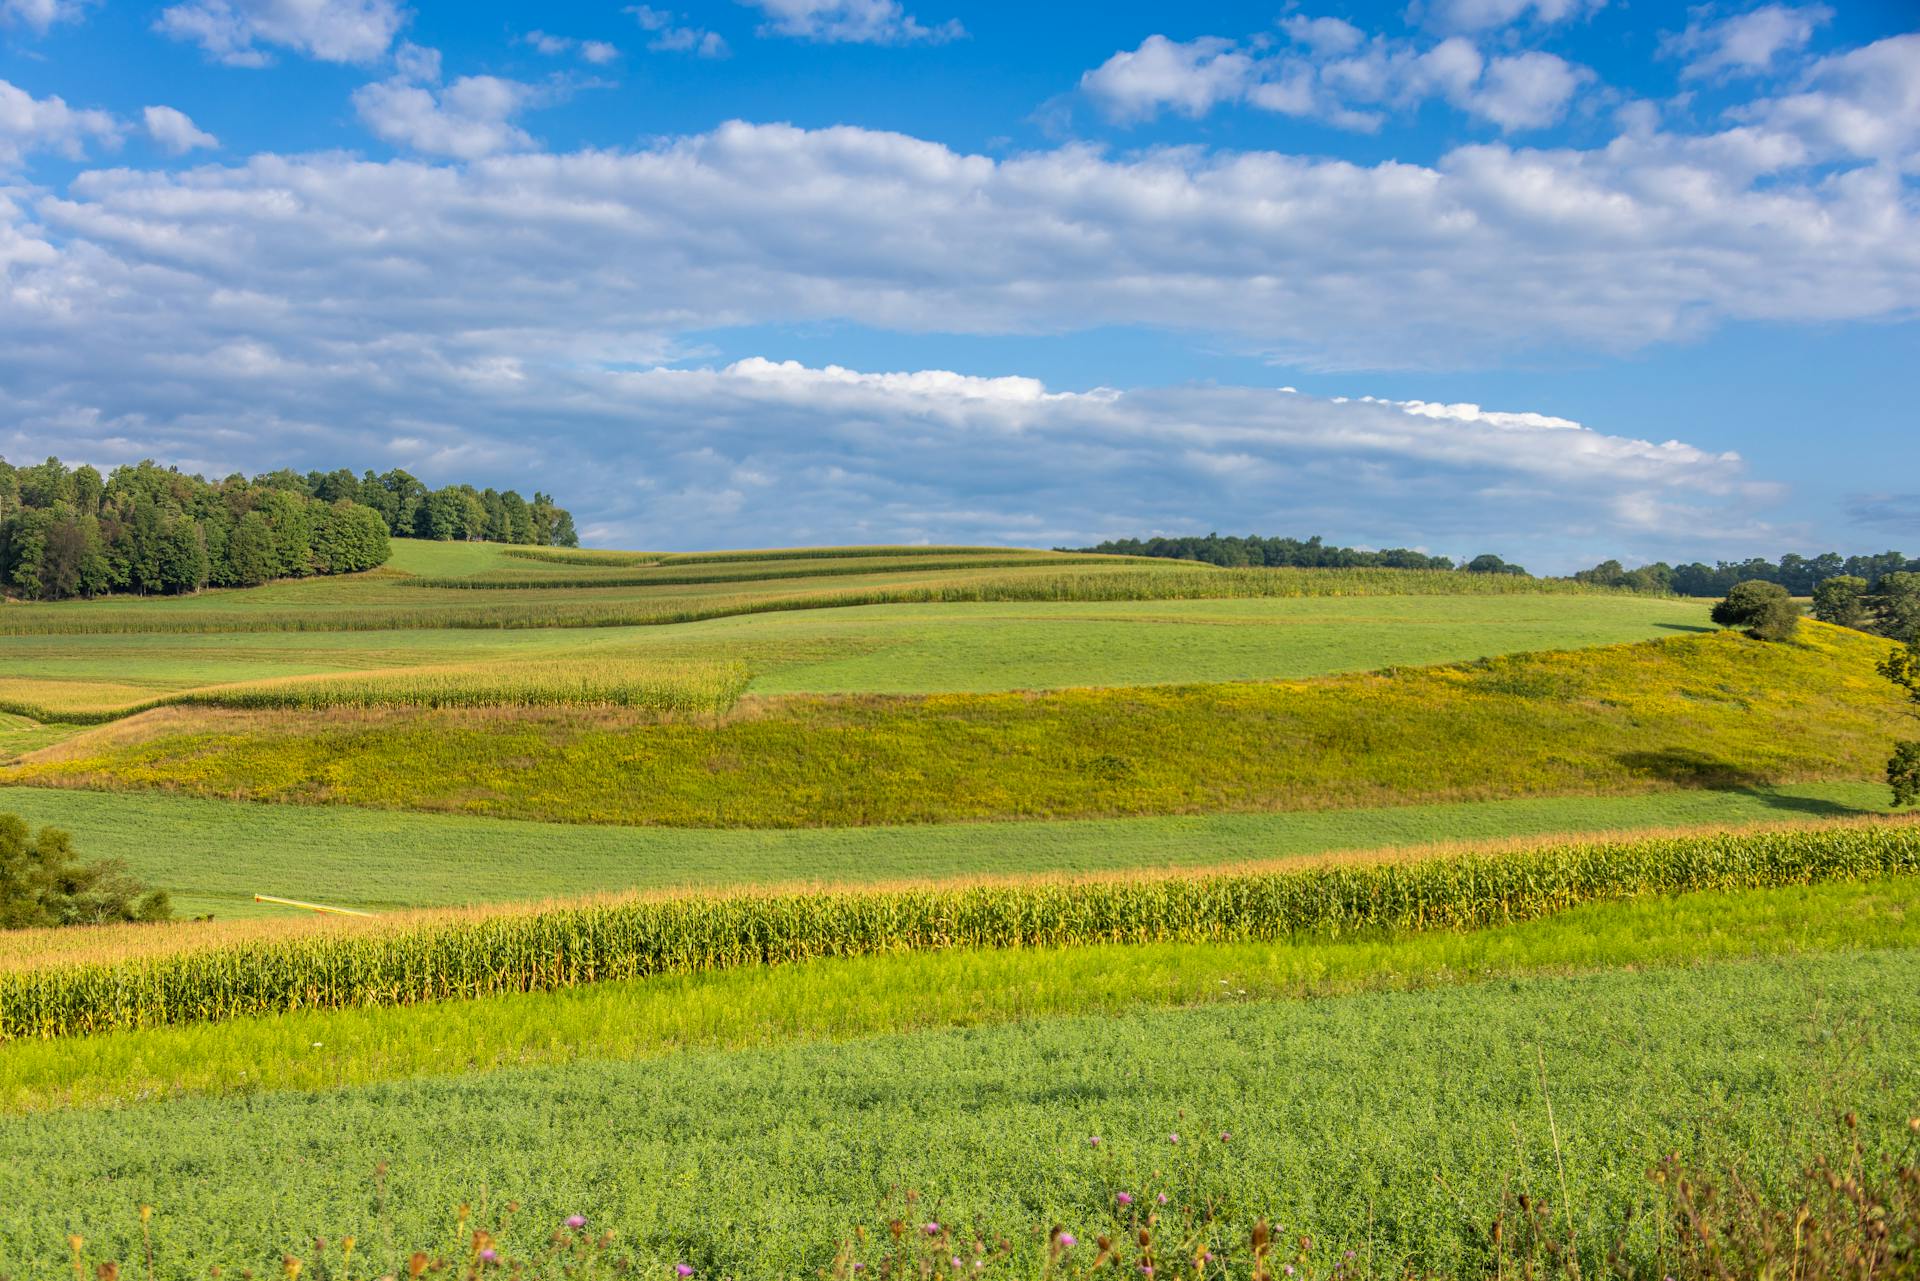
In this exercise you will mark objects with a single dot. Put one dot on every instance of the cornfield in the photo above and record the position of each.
(560, 947)
(683, 688)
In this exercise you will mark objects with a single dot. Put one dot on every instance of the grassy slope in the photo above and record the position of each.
(215, 855)
(1382, 1122)
(844, 997)
(885, 649)
(1716, 709)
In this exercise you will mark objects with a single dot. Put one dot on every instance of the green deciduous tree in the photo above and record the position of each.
(251, 556)
(1896, 606)
(1902, 667)
(1763, 610)
(43, 882)
(1841, 600)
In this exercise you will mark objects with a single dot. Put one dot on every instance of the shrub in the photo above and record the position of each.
(42, 882)
(1763, 610)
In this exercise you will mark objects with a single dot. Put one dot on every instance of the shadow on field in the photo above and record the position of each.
(1684, 627)
(1685, 767)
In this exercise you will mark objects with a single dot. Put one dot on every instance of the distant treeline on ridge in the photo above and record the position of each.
(68, 531)
(1310, 553)
(1798, 574)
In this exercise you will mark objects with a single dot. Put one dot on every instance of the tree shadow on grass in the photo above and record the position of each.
(1684, 627)
(1687, 768)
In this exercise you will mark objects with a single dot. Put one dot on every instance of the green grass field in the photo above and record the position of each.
(1383, 1122)
(214, 856)
(476, 725)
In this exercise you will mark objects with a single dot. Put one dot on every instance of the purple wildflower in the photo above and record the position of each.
(1173, 1138)
(1093, 1141)
(932, 1229)
(683, 1269)
(1066, 1241)
(576, 1221)
(1124, 1198)
(489, 1255)
(1162, 1198)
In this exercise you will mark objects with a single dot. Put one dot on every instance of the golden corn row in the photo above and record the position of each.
(548, 949)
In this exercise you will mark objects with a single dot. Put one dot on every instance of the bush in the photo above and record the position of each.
(42, 882)
(1763, 610)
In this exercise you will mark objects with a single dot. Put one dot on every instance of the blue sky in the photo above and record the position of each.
(1562, 279)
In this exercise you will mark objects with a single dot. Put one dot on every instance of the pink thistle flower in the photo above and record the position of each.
(1173, 1138)
(489, 1255)
(1066, 1240)
(683, 1270)
(932, 1229)
(1225, 1137)
(1124, 1198)
(576, 1221)
(1093, 1141)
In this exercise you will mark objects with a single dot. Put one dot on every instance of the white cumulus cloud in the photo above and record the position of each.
(174, 130)
(41, 15)
(851, 21)
(1332, 71)
(469, 118)
(29, 124)
(243, 33)
(1747, 43)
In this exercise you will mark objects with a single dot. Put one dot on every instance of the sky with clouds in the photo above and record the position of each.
(1561, 279)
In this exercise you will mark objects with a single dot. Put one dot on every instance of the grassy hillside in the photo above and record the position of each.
(1716, 710)
(215, 855)
(1383, 1123)
(871, 649)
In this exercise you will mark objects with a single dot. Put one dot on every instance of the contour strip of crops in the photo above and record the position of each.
(652, 578)
(582, 556)
(1117, 584)
(562, 947)
(709, 688)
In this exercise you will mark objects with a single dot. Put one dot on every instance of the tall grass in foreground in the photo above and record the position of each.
(1853, 1214)
(562, 947)
(702, 688)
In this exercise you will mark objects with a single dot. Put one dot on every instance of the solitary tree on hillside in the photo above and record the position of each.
(1762, 609)
(1841, 600)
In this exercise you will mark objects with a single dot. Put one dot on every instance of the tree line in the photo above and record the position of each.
(69, 531)
(1800, 575)
(451, 513)
(1294, 553)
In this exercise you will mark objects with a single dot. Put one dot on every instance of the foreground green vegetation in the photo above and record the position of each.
(1383, 1123)
(1617, 719)
(836, 998)
(449, 956)
(214, 856)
